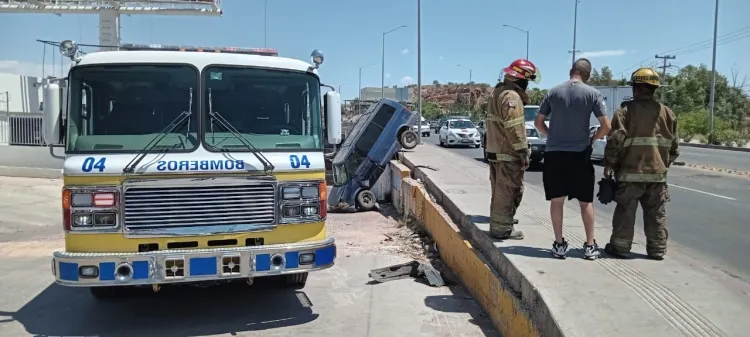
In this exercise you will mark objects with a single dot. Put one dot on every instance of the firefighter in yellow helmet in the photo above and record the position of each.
(506, 146)
(640, 148)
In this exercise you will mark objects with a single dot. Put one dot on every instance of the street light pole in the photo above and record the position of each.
(711, 102)
(359, 88)
(419, 69)
(382, 69)
(575, 31)
(470, 87)
(265, 24)
(527, 37)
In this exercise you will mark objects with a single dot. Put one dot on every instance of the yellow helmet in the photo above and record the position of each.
(645, 76)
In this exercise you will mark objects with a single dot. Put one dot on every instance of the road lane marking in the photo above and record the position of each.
(693, 154)
(703, 192)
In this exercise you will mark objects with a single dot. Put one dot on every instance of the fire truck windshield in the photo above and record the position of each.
(272, 109)
(121, 108)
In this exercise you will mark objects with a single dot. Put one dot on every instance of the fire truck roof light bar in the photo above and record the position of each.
(229, 50)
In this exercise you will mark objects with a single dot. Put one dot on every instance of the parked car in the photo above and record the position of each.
(384, 128)
(434, 124)
(459, 132)
(425, 129)
(597, 153)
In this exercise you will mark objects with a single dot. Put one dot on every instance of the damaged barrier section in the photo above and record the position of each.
(527, 292)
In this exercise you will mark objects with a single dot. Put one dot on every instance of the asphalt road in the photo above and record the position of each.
(734, 160)
(340, 301)
(708, 213)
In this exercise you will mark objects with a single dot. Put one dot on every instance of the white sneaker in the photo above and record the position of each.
(559, 249)
(591, 252)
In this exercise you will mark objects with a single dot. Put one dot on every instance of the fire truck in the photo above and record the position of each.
(190, 165)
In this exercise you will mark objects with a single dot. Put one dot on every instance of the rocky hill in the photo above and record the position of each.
(450, 95)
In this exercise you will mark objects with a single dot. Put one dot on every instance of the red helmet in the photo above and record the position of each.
(523, 69)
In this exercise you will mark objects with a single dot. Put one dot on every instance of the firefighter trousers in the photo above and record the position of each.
(653, 198)
(506, 180)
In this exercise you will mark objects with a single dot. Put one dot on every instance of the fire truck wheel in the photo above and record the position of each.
(408, 139)
(105, 293)
(365, 200)
(297, 280)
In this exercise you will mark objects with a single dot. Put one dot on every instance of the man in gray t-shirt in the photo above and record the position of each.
(568, 171)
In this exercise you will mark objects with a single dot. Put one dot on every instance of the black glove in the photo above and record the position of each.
(607, 189)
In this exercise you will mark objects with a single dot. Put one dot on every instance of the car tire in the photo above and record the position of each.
(296, 281)
(366, 200)
(476, 146)
(441, 142)
(408, 139)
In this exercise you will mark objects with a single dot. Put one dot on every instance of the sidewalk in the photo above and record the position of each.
(679, 296)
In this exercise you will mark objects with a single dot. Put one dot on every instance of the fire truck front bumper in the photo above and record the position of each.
(190, 265)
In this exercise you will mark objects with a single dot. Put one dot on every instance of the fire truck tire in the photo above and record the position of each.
(297, 280)
(105, 293)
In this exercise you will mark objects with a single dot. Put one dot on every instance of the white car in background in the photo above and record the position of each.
(459, 132)
(597, 153)
(425, 128)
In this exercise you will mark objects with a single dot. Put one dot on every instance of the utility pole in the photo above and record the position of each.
(664, 71)
(265, 24)
(382, 66)
(712, 100)
(359, 88)
(419, 69)
(575, 31)
(470, 84)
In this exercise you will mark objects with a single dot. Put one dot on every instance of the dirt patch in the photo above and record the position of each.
(378, 232)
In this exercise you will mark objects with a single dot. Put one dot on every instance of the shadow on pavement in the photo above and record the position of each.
(174, 311)
(462, 302)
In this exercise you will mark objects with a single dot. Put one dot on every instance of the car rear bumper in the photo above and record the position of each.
(191, 265)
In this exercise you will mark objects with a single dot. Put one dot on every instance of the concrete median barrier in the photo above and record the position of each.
(515, 309)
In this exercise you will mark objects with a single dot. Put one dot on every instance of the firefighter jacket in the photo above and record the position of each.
(643, 142)
(505, 126)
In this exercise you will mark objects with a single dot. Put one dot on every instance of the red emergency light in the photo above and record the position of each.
(229, 50)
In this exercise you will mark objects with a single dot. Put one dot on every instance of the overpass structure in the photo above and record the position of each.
(109, 11)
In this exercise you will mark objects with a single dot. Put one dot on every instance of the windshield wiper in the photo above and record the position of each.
(216, 116)
(174, 124)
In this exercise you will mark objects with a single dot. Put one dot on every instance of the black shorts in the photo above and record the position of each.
(569, 174)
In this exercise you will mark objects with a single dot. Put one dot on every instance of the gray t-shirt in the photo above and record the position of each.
(569, 107)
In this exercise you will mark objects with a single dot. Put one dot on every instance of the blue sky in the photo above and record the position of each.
(620, 34)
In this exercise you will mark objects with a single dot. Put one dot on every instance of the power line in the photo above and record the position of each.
(732, 36)
(718, 43)
(664, 69)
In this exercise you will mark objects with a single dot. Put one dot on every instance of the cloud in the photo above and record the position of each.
(405, 51)
(441, 57)
(406, 80)
(29, 68)
(601, 53)
(387, 75)
(632, 51)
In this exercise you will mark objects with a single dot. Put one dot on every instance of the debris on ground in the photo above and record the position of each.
(413, 269)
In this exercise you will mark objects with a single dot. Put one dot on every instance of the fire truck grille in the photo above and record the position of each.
(169, 207)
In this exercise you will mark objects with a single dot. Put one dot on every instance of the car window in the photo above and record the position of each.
(461, 125)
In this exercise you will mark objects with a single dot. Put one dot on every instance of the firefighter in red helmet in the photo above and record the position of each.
(507, 149)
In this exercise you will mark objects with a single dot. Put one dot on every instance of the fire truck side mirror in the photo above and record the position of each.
(333, 117)
(51, 112)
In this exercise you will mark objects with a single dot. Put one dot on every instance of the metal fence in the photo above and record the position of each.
(21, 129)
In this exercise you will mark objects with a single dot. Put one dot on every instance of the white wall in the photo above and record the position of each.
(18, 94)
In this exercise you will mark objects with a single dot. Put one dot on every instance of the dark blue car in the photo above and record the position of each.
(376, 138)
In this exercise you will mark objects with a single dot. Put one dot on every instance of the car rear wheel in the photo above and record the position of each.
(365, 200)
(408, 139)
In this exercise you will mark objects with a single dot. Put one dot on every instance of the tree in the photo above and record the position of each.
(431, 110)
(536, 95)
(604, 77)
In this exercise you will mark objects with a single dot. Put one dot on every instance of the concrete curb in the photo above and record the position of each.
(717, 147)
(512, 308)
(528, 304)
(30, 172)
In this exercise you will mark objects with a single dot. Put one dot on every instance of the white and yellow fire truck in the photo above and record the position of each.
(187, 164)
